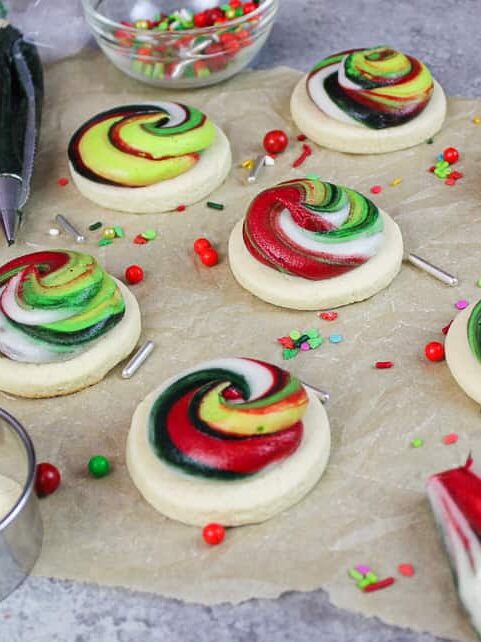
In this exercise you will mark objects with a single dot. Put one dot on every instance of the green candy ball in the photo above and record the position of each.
(99, 466)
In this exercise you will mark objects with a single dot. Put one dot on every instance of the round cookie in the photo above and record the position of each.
(369, 101)
(149, 158)
(64, 323)
(308, 245)
(233, 441)
(463, 350)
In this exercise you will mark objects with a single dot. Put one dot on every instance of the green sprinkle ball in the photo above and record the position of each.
(417, 443)
(99, 466)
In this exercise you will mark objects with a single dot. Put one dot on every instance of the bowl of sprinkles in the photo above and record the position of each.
(180, 44)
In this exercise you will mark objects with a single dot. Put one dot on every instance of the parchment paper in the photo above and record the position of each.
(370, 507)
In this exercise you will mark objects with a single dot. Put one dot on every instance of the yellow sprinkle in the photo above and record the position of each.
(477, 120)
(247, 164)
(396, 181)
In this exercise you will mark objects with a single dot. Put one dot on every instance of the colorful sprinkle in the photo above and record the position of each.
(362, 568)
(215, 206)
(384, 365)
(213, 534)
(396, 181)
(139, 240)
(95, 226)
(389, 581)
(328, 316)
(104, 242)
(376, 189)
(63, 181)
(294, 335)
(477, 120)
(119, 231)
(417, 443)
(450, 181)
(54, 231)
(98, 466)
(450, 439)
(109, 233)
(335, 338)
(355, 574)
(445, 330)
(461, 304)
(406, 569)
(149, 235)
(180, 208)
(301, 138)
(247, 164)
(306, 152)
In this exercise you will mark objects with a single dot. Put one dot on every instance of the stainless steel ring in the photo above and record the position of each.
(21, 530)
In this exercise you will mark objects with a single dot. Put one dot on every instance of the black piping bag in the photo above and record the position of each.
(21, 97)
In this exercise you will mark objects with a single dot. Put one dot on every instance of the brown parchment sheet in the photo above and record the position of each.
(370, 507)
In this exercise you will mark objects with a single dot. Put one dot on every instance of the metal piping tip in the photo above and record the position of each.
(9, 223)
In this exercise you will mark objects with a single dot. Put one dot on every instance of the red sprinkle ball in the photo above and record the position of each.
(63, 181)
(376, 189)
(213, 534)
(180, 208)
(406, 569)
(134, 274)
(301, 138)
(384, 365)
(47, 479)
(207, 254)
(452, 438)
(275, 141)
(451, 155)
(434, 351)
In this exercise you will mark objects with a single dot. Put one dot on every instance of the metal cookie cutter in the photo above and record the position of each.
(21, 530)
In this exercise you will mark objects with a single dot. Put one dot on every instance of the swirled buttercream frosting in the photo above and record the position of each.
(377, 87)
(474, 331)
(228, 418)
(312, 229)
(140, 145)
(54, 305)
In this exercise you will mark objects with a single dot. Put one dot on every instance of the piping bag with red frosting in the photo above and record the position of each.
(455, 497)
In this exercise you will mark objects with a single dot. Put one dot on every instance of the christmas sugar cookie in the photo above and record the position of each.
(233, 441)
(149, 158)
(64, 323)
(369, 101)
(463, 350)
(307, 244)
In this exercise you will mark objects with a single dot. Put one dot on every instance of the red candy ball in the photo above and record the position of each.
(200, 20)
(213, 534)
(451, 155)
(47, 479)
(249, 7)
(209, 257)
(275, 141)
(434, 351)
(134, 274)
(200, 245)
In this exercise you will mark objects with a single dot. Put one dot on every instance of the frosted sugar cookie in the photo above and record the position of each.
(149, 158)
(233, 441)
(369, 101)
(306, 244)
(463, 350)
(64, 323)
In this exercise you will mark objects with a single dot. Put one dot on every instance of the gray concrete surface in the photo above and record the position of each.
(445, 35)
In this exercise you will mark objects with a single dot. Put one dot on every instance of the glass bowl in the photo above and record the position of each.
(20, 524)
(184, 59)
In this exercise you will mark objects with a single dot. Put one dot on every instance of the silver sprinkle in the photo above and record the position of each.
(322, 394)
(256, 170)
(433, 270)
(138, 359)
(68, 227)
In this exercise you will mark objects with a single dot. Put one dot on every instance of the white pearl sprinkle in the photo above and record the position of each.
(54, 231)
(269, 161)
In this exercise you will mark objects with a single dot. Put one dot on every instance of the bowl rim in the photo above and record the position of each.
(17, 428)
(87, 6)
